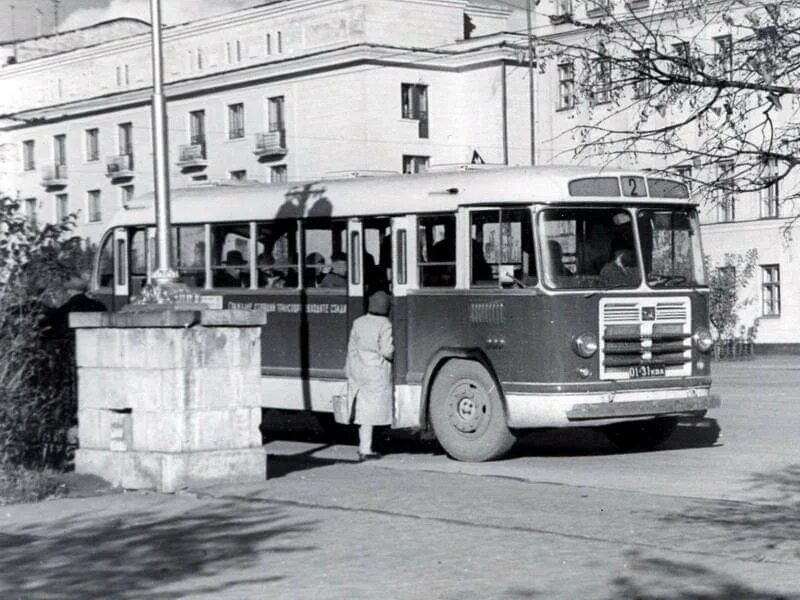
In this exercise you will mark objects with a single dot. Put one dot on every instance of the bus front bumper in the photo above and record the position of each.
(580, 410)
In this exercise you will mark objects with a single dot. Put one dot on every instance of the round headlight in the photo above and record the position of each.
(585, 345)
(703, 340)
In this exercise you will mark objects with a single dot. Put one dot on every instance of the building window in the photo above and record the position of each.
(641, 74)
(723, 55)
(415, 164)
(235, 121)
(685, 173)
(199, 56)
(30, 209)
(564, 8)
(414, 102)
(92, 145)
(125, 195)
(238, 175)
(93, 212)
(726, 200)
(770, 290)
(601, 91)
(280, 43)
(275, 108)
(566, 86)
(682, 57)
(268, 43)
(228, 55)
(119, 76)
(60, 150)
(238, 51)
(278, 174)
(197, 130)
(770, 199)
(28, 156)
(62, 207)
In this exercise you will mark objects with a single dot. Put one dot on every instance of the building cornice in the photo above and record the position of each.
(354, 56)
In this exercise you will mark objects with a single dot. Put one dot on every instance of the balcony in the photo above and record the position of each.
(270, 144)
(54, 177)
(192, 157)
(119, 168)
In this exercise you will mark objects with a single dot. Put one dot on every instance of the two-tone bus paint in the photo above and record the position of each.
(503, 315)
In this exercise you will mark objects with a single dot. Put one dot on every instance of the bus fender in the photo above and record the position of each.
(435, 364)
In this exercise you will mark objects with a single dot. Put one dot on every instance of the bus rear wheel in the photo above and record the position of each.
(641, 435)
(467, 413)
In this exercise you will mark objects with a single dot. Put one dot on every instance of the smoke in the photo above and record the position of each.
(172, 11)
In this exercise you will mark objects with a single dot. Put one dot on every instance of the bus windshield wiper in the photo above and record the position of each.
(667, 280)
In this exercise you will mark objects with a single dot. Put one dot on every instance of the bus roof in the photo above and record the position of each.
(384, 195)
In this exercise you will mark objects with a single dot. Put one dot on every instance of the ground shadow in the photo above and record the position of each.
(662, 579)
(767, 528)
(136, 555)
(279, 465)
(589, 441)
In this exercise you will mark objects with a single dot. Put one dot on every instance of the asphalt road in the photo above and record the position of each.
(715, 515)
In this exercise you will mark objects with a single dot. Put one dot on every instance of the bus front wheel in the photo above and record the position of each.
(467, 413)
(641, 435)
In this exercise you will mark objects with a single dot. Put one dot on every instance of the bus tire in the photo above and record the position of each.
(637, 436)
(467, 414)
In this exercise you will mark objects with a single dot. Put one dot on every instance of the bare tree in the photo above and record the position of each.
(708, 87)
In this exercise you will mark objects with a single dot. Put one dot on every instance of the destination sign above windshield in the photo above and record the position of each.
(632, 186)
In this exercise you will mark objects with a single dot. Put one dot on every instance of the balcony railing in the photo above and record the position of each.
(270, 143)
(194, 154)
(120, 166)
(54, 176)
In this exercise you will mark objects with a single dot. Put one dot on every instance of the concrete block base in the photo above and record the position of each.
(169, 472)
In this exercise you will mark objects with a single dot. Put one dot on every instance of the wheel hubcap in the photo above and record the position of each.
(467, 407)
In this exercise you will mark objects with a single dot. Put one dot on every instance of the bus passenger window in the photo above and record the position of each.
(437, 250)
(502, 248)
(276, 255)
(230, 250)
(189, 254)
(105, 265)
(325, 262)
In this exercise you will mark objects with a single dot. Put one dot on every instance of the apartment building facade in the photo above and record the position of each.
(302, 89)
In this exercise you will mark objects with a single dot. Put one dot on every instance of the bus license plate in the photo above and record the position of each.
(655, 370)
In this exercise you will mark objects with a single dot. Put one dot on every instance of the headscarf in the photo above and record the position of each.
(379, 303)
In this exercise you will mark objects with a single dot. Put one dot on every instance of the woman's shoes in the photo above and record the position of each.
(362, 456)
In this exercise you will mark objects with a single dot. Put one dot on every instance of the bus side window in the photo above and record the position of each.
(502, 248)
(276, 255)
(105, 265)
(188, 252)
(326, 261)
(230, 252)
(436, 249)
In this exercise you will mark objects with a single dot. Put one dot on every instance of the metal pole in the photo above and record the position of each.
(164, 274)
(530, 86)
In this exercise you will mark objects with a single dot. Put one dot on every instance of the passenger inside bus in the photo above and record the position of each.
(312, 274)
(621, 270)
(268, 275)
(557, 268)
(336, 277)
(232, 275)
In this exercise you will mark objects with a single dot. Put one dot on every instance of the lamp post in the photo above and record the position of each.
(530, 84)
(164, 274)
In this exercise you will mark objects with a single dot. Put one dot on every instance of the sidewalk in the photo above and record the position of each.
(331, 529)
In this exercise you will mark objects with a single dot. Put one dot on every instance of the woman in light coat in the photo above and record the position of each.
(369, 372)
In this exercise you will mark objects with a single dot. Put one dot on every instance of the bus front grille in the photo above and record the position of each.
(645, 337)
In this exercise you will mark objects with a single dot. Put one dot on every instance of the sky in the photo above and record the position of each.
(27, 18)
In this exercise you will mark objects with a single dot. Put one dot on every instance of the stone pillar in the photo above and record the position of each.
(169, 398)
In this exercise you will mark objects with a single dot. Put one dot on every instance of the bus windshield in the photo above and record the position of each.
(671, 247)
(595, 248)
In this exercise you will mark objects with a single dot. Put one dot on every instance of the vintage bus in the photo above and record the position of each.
(522, 298)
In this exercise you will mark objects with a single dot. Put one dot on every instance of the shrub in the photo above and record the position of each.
(37, 383)
(18, 484)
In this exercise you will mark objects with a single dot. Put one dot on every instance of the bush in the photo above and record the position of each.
(18, 484)
(37, 382)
